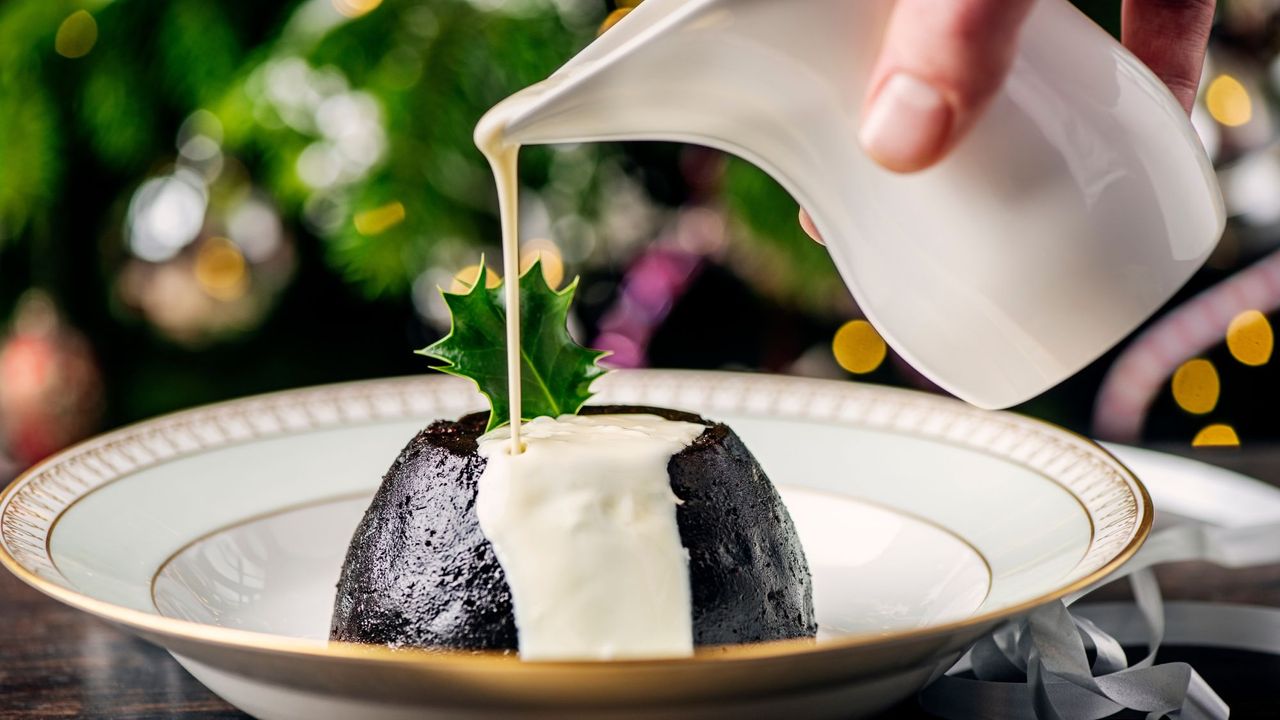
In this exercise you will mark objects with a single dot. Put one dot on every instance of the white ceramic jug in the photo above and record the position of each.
(1076, 207)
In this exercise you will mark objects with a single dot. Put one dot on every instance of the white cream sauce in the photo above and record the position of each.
(579, 509)
(584, 525)
(503, 156)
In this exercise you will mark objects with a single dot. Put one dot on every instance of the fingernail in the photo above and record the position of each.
(806, 223)
(906, 125)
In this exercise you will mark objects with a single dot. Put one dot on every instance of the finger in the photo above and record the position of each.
(942, 62)
(1170, 36)
(806, 224)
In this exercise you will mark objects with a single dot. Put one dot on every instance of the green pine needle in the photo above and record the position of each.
(556, 373)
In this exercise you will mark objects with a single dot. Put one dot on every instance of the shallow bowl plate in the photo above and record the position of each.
(219, 533)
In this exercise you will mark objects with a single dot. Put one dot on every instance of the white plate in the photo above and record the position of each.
(275, 574)
(219, 534)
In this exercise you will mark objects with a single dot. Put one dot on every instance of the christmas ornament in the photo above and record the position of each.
(50, 386)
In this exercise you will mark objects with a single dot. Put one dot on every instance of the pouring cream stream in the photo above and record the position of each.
(503, 157)
(579, 509)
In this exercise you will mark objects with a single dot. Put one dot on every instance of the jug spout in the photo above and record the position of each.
(703, 71)
(1077, 205)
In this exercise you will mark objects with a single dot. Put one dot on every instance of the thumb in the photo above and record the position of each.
(942, 62)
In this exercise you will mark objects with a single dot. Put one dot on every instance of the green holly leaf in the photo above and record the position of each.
(555, 372)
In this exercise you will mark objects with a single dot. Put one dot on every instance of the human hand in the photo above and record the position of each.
(944, 60)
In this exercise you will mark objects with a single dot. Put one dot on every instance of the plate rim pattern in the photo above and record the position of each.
(1116, 503)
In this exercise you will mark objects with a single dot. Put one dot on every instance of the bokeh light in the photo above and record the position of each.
(1251, 189)
(1250, 338)
(428, 301)
(76, 35)
(165, 215)
(465, 279)
(210, 251)
(1216, 435)
(1196, 386)
(199, 144)
(379, 219)
(546, 252)
(220, 269)
(254, 225)
(345, 127)
(858, 348)
(355, 8)
(614, 17)
(1228, 101)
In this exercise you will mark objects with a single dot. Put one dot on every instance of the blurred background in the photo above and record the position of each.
(203, 200)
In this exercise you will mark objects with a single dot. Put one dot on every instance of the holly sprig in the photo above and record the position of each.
(556, 372)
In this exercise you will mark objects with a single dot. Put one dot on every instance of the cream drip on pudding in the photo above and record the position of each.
(422, 571)
(583, 523)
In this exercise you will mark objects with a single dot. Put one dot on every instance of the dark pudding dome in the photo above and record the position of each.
(421, 572)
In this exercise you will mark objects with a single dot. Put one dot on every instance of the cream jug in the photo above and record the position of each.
(1080, 202)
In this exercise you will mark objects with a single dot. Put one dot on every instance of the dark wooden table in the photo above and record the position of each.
(56, 662)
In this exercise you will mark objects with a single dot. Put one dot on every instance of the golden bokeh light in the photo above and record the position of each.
(1216, 435)
(613, 18)
(379, 219)
(1228, 101)
(76, 35)
(858, 347)
(355, 8)
(548, 254)
(1196, 386)
(1250, 339)
(220, 269)
(465, 279)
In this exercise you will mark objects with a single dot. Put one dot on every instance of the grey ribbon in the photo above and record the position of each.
(1194, 624)
(1039, 667)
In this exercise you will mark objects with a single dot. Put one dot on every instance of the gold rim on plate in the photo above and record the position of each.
(645, 385)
